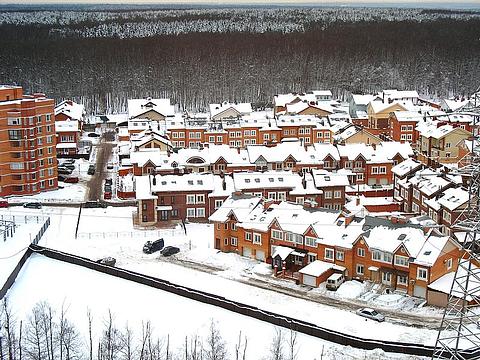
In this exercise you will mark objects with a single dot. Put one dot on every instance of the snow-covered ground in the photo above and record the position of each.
(110, 232)
(79, 289)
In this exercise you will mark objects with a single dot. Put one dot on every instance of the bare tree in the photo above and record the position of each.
(110, 343)
(292, 345)
(90, 338)
(8, 328)
(241, 348)
(215, 346)
(71, 343)
(127, 339)
(276, 348)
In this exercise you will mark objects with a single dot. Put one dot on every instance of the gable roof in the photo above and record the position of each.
(137, 107)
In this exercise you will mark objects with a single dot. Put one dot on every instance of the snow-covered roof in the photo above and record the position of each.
(431, 250)
(71, 109)
(318, 267)
(282, 251)
(380, 106)
(67, 126)
(284, 99)
(353, 151)
(389, 239)
(239, 205)
(390, 149)
(324, 179)
(445, 282)
(147, 185)
(300, 106)
(394, 94)
(453, 198)
(149, 135)
(428, 182)
(137, 107)
(408, 116)
(431, 130)
(362, 99)
(406, 166)
(267, 180)
(212, 153)
(240, 108)
(281, 151)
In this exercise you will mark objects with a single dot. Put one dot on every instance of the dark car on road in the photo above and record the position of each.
(110, 261)
(32, 205)
(64, 171)
(152, 246)
(91, 170)
(93, 135)
(170, 250)
(71, 179)
(3, 204)
(94, 204)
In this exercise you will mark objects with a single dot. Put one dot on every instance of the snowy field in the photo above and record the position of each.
(109, 232)
(79, 289)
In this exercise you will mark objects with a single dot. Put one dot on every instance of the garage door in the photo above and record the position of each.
(260, 255)
(247, 252)
(309, 280)
(420, 291)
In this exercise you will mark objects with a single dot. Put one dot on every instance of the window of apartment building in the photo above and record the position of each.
(447, 145)
(16, 166)
(348, 164)
(257, 239)
(50, 171)
(233, 241)
(218, 203)
(225, 226)
(246, 133)
(234, 226)
(175, 213)
(181, 144)
(327, 135)
(382, 170)
(403, 128)
(289, 237)
(281, 196)
(416, 194)
(329, 254)
(298, 238)
(446, 216)
(225, 241)
(200, 212)
(307, 140)
(361, 252)
(340, 255)
(359, 269)
(310, 241)
(211, 139)
(449, 263)
(319, 134)
(266, 136)
(328, 194)
(14, 121)
(49, 117)
(253, 132)
(300, 200)
(272, 196)
(401, 260)
(311, 257)
(41, 173)
(40, 152)
(415, 208)
(200, 199)
(402, 280)
(39, 130)
(219, 139)
(409, 127)
(277, 234)
(42, 184)
(337, 194)
(374, 170)
(422, 274)
(191, 212)
(49, 150)
(248, 236)
(50, 182)
(359, 177)
(190, 199)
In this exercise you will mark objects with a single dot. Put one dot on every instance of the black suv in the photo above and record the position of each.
(91, 170)
(110, 261)
(32, 205)
(94, 204)
(152, 246)
(169, 250)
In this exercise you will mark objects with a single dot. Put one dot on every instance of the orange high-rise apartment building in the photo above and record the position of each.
(28, 163)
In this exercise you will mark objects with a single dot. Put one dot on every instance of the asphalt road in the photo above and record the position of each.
(104, 151)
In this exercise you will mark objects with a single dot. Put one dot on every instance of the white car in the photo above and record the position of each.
(371, 314)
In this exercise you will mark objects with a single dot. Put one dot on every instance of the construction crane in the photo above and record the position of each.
(459, 333)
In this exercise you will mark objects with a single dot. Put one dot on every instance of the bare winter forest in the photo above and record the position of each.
(102, 56)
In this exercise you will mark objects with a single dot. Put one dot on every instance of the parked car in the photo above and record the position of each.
(109, 166)
(107, 188)
(71, 180)
(64, 170)
(32, 205)
(91, 170)
(108, 181)
(334, 281)
(61, 177)
(92, 134)
(94, 204)
(169, 250)
(371, 314)
(3, 204)
(68, 161)
(68, 166)
(107, 195)
(153, 246)
(110, 261)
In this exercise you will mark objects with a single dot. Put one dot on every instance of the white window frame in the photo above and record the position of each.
(257, 238)
(340, 255)
(200, 213)
(190, 199)
(190, 212)
(330, 252)
(310, 241)
(401, 261)
(421, 270)
(277, 234)
(361, 252)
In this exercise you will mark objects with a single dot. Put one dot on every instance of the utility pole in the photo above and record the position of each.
(459, 333)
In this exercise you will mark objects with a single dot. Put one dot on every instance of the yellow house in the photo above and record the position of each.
(378, 113)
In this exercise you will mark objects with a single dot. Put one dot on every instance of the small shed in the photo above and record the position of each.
(317, 272)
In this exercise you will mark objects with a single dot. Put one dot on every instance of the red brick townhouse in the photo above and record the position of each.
(318, 242)
(144, 114)
(402, 191)
(28, 162)
(333, 186)
(194, 197)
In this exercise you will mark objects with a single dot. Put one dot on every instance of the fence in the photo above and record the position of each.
(251, 311)
(130, 234)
